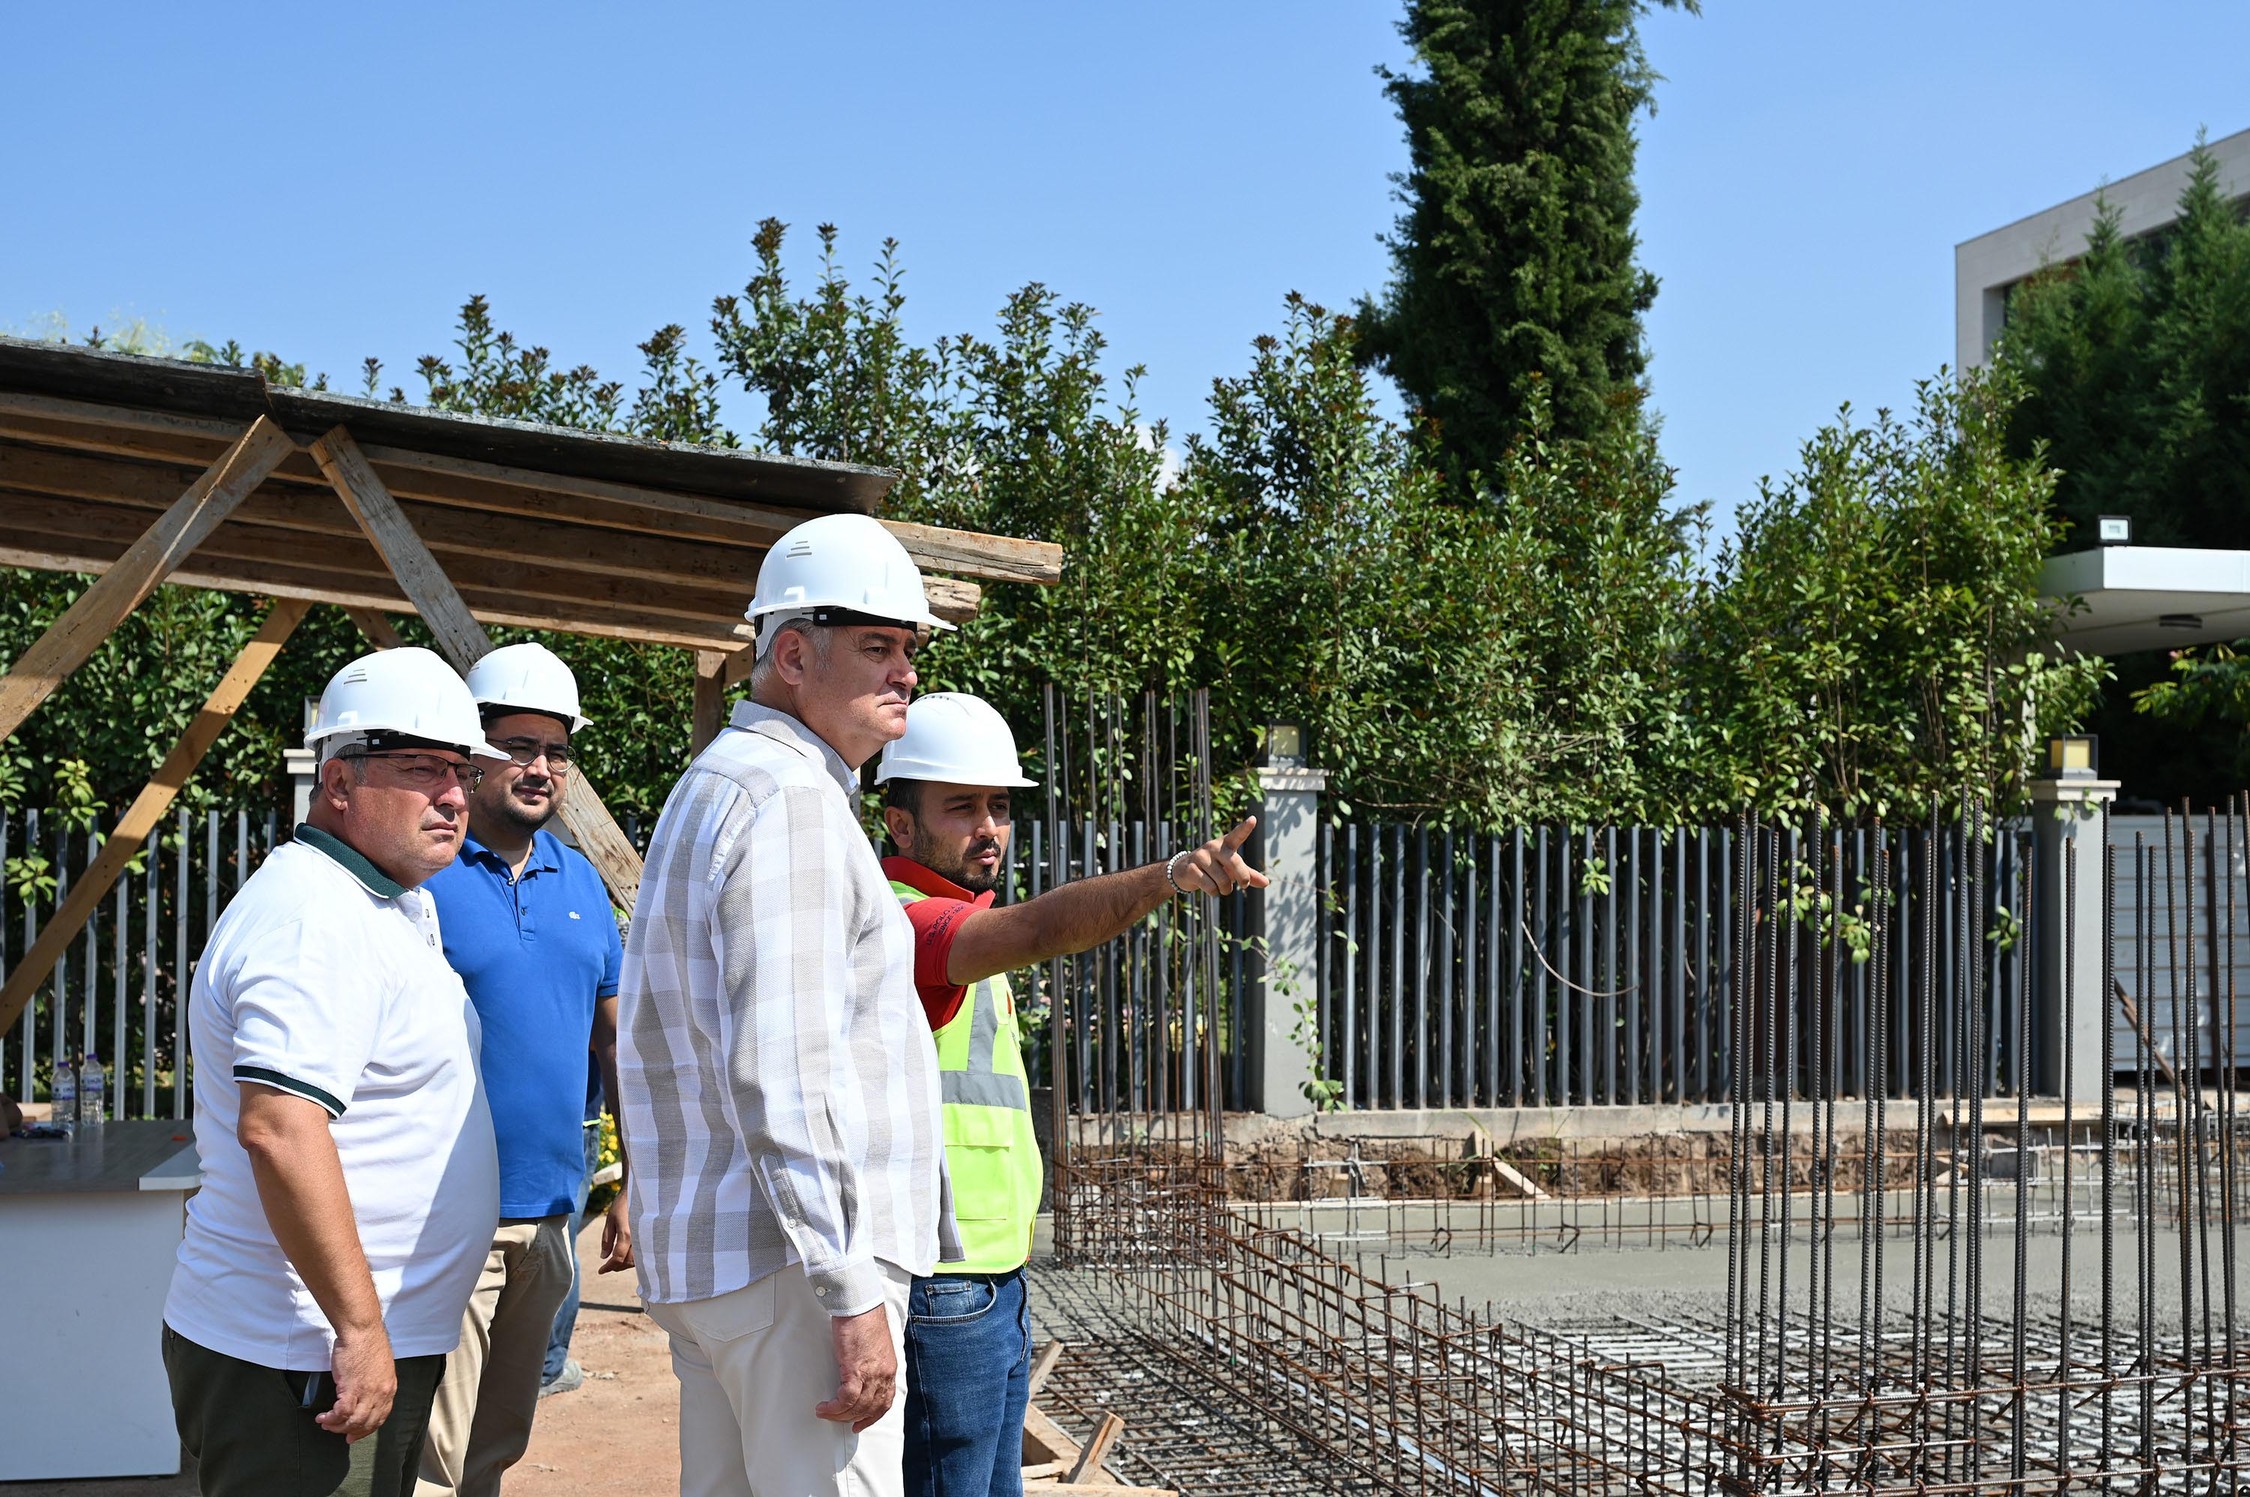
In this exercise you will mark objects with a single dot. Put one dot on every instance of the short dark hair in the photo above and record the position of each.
(904, 794)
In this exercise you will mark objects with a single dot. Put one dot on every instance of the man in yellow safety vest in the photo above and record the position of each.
(968, 1326)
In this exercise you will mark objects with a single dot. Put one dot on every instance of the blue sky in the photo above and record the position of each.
(332, 183)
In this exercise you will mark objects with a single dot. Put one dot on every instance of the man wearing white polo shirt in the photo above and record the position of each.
(350, 1185)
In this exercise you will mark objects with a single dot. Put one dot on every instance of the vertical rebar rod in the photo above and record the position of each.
(2068, 1051)
(2107, 1321)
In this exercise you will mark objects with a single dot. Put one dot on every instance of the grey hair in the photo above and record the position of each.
(819, 637)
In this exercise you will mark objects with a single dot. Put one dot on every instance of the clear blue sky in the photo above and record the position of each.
(331, 183)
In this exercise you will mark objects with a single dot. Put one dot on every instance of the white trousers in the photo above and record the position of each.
(752, 1364)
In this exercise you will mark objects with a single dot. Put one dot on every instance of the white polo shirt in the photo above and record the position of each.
(327, 979)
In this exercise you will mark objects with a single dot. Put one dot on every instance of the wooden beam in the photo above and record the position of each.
(496, 487)
(1097, 1448)
(147, 562)
(463, 640)
(43, 551)
(710, 699)
(148, 808)
(1044, 1364)
(489, 581)
(373, 623)
(740, 663)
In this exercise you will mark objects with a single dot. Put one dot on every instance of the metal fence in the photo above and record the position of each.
(116, 992)
(1556, 966)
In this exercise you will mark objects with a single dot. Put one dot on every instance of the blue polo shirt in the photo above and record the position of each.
(535, 953)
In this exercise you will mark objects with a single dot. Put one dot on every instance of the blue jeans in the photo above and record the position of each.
(968, 1378)
(566, 1319)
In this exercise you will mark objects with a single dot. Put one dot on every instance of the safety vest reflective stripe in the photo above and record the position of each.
(979, 1085)
(992, 1152)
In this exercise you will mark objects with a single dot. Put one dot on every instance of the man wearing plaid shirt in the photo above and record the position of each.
(779, 1081)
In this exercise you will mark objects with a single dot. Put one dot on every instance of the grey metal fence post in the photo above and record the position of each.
(1288, 825)
(2068, 815)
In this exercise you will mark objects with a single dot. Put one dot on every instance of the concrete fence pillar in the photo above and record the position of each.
(2068, 820)
(1286, 916)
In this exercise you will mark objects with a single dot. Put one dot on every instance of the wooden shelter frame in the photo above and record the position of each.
(148, 471)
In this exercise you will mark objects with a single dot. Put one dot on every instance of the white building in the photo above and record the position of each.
(1988, 267)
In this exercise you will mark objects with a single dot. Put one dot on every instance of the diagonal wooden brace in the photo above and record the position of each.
(462, 639)
(149, 806)
(133, 576)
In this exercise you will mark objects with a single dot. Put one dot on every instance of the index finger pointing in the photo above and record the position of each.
(1233, 840)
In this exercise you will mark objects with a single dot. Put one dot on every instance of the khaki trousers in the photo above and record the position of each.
(751, 1364)
(480, 1422)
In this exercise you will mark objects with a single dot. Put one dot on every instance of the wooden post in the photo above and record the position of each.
(149, 806)
(463, 640)
(133, 576)
(710, 698)
(376, 627)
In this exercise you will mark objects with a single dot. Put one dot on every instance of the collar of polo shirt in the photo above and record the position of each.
(353, 861)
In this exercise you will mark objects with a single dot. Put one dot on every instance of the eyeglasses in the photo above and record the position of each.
(530, 750)
(428, 773)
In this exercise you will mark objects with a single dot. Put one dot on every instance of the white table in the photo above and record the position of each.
(88, 1229)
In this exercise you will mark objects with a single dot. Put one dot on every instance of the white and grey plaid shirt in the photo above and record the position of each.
(780, 1083)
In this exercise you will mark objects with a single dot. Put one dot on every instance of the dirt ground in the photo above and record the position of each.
(617, 1433)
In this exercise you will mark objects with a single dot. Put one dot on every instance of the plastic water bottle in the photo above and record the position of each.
(93, 1094)
(63, 1092)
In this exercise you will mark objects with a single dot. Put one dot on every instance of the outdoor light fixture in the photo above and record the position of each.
(1285, 746)
(2074, 757)
(2114, 530)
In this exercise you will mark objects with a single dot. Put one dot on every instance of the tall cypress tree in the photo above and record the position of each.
(1513, 261)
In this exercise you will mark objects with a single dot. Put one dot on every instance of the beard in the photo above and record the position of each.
(518, 814)
(975, 880)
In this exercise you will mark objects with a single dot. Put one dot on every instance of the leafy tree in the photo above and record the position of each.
(1514, 259)
(2135, 358)
(1873, 640)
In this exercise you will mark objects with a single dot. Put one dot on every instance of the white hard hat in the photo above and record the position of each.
(527, 678)
(846, 565)
(954, 738)
(398, 694)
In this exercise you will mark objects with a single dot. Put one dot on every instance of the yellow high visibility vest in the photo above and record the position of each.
(990, 1149)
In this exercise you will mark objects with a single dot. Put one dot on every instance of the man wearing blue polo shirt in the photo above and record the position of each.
(527, 925)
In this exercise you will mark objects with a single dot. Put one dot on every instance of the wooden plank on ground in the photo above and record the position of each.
(463, 641)
(148, 808)
(1044, 1440)
(710, 699)
(1044, 1364)
(1090, 1458)
(147, 562)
